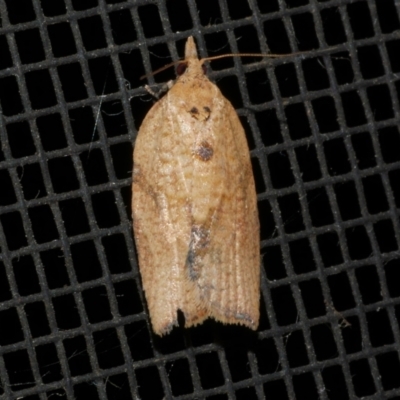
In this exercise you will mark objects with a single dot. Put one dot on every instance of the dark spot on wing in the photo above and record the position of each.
(199, 240)
(194, 110)
(205, 151)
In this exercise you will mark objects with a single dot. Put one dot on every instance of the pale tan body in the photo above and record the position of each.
(195, 207)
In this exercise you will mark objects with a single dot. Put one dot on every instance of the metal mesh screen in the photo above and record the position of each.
(323, 129)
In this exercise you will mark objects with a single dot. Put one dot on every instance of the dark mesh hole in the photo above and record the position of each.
(368, 284)
(37, 319)
(347, 200)
(43, 224)
(301, 255)
(267, 7)
(342, 66)
(382, 108)
(389, 138)
(18, 362)
(239, 9)
(337, 158)
(121, 155)
(277, 389)
(362, 379)
(117, 386)
(280, 170)
(181, 21)
(116, 253)
(13, 333)
(10, 99)
(108, 348)
(209, 370)
(358, 243)
(150, 13)
(315, 74)
(329, 248)
(92, 33)
(370, 62)
(333, 26)
(8, 194)
(246, 394)
(352, 338)
(20, 140)
(5, 60)
(285, 308)
(30, 46)
(123, 29)
(389, 369)
(351, 101)
(138, 332)
(319, 207)
(55, 269)
(364, 149)
(267, 222)
(83, 125)
(49, 363)
(254, 81)
(31, 178)
(25, 275)
(179, 377)
(297, 121)
(360, 20)
(66, 305)
(375, 194)
(149, 383)
(247, 42)
(392, 271)
(340, 291)
(304, 29)
(307, 159)
(267, 357)
(63, 175)
(325, 112)
(86, 263)
(323, 342)
(20, 11)
(291, 213)
(96, 304)
(94, 167)
(393, 48)
(74, 216)
(5, 291)
(51, 8)
(103, 76)
(40, 89)
(287, 79)
(380, 332)
(313, 298)
(72, 82)
(296, 350)
(105, 210)
(277, 37)
(129, 302)
(304, 386)
(79, 5)
(112, 114)
(335, 382)
(269, 126)
(84, 391)
(273, 263)
(385, 235)
(77, 355)
(51, 132)
(13, 230)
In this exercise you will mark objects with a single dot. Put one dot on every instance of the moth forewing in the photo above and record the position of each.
(195, 207)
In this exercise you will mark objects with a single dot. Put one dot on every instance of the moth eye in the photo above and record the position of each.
(204, 68)
(181, 68)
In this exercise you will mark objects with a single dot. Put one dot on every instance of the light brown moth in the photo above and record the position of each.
(194, 207)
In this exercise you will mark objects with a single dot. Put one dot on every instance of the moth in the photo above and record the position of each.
(194, 207)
